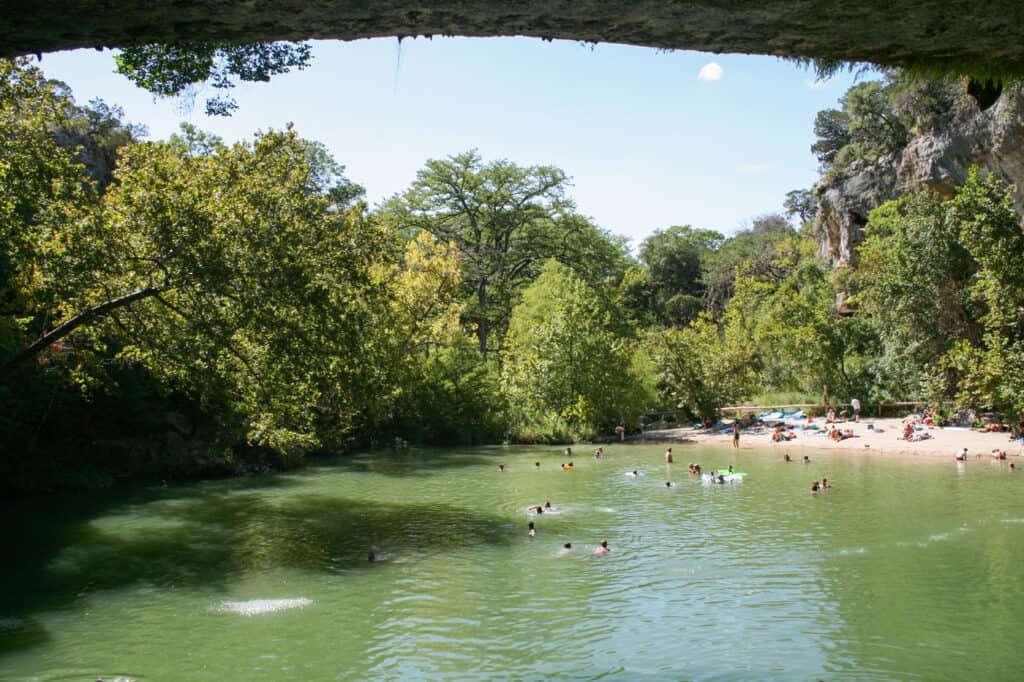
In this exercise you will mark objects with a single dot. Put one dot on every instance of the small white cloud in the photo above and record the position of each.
(816, 84)
(752, 168)
(712, 71)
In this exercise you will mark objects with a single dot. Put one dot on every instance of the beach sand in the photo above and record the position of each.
(883, 438)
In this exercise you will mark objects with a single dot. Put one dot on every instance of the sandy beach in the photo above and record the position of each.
(874, 436)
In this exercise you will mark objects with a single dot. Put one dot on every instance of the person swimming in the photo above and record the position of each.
(720, 480)
(371, 557)
(730, 469)
(598, 453)
(501, 468)
(568, 452)
(602, 548)
(787, 458)
(633, 474)
(807, 460)
(824, 483)
(815, 487)
(547, 505)
(669, 484)
(531, 530)
(536, 465)
(668, 456)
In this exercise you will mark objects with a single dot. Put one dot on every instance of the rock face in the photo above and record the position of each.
(958, 35)
(992, 139)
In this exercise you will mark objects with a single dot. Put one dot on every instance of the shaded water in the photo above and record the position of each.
(904, 570)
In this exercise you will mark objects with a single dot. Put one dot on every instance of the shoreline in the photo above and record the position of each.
(882, 439)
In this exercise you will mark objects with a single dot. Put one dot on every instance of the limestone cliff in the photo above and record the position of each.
(938, 160)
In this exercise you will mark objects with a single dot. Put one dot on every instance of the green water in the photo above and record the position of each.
(906, 569)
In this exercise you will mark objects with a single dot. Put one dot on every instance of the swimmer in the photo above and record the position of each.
(669, 484)
(787, 458)
(567, 467)
(1012, 466)
(720, 480)
(603, 548)
(824, 483)
(566, 548)
(501, 468)
(568, 452)
(547, 505)
(537, 509)
(371, 557)
(633, 473)
(668, 456)
(962, 455)
(730, 469)
(807, 460)
(531, 530)
(536, 465)
(815, 487)
(598, 453)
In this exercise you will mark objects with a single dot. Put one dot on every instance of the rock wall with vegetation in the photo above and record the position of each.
(931, 150)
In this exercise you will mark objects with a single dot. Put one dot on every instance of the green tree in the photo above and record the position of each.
(990, 371)
(914, 276)
(505, 221)
(750, 252)
(226, 276)
(675, 260)
(566, 372)
(702, 367)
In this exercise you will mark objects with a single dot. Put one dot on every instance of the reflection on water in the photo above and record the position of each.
(269, 578)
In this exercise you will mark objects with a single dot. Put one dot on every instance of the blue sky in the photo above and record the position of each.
(648, 142)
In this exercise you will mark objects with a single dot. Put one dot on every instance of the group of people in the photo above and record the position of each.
(911, 435)
(836, 434)
(781, 433)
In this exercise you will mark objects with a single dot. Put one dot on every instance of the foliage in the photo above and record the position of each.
(170, 70)
(751, 252)
(566, 372)
(504, 221)
(913, 276)
(675, 260)
(702, 367)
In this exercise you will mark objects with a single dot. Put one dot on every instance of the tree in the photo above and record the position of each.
(228, 278)
(675, 260)
(505, 221)
(170, 70)
(750, 252)
(913, 276)
(701, 368)
(800, 204)
(990, 371)
(566, 372)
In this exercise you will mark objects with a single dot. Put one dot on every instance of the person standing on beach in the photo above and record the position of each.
(736, 433)
(855, 404)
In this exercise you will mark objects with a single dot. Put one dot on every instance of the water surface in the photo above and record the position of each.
(906, 569)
